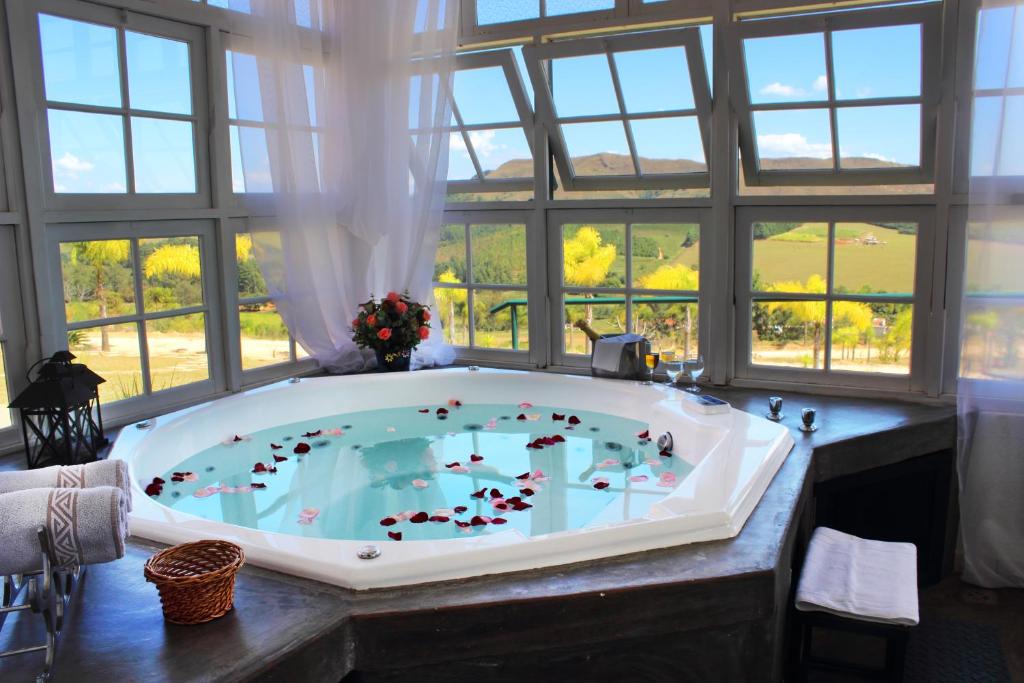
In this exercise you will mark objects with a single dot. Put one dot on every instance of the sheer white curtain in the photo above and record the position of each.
(340, 134)
(991, 386)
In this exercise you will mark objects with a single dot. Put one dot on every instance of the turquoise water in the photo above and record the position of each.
(365, 467)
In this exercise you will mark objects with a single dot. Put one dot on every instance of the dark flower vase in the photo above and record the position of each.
(393, 361)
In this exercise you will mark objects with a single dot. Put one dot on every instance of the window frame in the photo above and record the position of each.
(930, 18)
(122, 21)
(211, 308)
(12, 332)
(537, 59)
(506, 60)
(557, 290)
(920, 298)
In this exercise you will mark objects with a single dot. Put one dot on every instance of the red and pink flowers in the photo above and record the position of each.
(393, 324)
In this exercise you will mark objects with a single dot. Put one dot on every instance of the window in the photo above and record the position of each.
(480, 282)
(264, 338)
(491, 12)
(491, 144)
(628, 273)
(119, 105)
(842, 98)
(627, 112)
(826, 292)
(137, 309)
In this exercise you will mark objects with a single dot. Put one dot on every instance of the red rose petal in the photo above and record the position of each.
(601, 485)
(479, 494)
(438, 518)
(259, 467)
(388, 521)
(556, 416)
(395, 535)
(153, 489)
(479, 520)
(646, 434)
(442, 411)
(301, 447)
(452, 464)
(476, 458)
(310, 435)
(424, 410)
(558, 438)
(461, 525)
(514, 500)
(419, 518)
(573, 420)
(526, 492)
(237, 438)
(258, 485)
(519, 507)
(501, 506)
(665, 454)
(459, 509)
(158, 480)
(495, 493)
(272, 470)
(279, 458)
(276, 446)
(177, 479)
(499, 520)
(548, 441)
(520, 416)
(457, 403)
(524, 475)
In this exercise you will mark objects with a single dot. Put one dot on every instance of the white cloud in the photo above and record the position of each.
(820, 83)
(72, 164)
(863, 92)
(781, 90)
(483, 143)
(791, 145)
(874, 155)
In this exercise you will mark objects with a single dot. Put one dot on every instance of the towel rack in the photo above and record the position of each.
(49, 591)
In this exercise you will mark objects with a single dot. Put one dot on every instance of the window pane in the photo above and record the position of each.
(597, 149)
(793, 139)
(112, 352)
(997, 28)
(502, 153)
(556, 7)
(500, 11)
(164, 155)
(654, 80)
(788, 334)
(500, 320)
(883, 61)
(786, 68)
(450, 261)
(460, 164)
(482, 96)
(669, 145)
(582, 86)
(250, 277)
(875, 257)
(98, 279)
(790, 257)
(177, 351)
(452, 309)
(172, 273)
(671, 325)
(245, 101)
(499, 254)
(606, 315)
(871, 338)
(249, 152)
(594, 255)
(879, 137)
(158, 73)
(5, 398)
(993, 340)
(264, 337)
(87, 152)
(997, 141)
(666, 256)
(995, 253)
(79, 62)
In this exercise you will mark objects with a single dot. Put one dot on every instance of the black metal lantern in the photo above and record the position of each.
(60, 412)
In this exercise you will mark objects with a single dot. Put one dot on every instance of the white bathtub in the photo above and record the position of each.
(735, 457)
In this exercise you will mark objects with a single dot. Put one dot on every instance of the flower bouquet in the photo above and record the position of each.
(392, 327)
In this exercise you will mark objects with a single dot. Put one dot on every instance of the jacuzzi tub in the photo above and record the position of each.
(730, 459)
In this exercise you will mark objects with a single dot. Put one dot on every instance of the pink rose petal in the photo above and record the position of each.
(420, 483)
(639, 477)
(525, 405)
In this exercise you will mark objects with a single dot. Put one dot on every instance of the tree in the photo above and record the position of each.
(587, 261)
(809, 314)
(852, 321)
(173, 259)
(448, 299)
(99, 255)
(674, 277)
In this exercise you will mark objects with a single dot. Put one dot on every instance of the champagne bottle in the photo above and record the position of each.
(587, 330)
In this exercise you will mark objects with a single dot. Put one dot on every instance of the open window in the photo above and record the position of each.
(626, 112)
(844, 98)
(491, 145)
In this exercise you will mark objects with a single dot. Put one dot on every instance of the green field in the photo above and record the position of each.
(5, 415)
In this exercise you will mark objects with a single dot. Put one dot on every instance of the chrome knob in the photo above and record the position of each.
(774, 408)
(807, 416)
(368, 552)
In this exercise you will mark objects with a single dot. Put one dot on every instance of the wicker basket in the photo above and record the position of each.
(196, 580)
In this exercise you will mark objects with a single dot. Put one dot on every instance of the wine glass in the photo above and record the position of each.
(672, 366)
(694, 367)
(651, 359)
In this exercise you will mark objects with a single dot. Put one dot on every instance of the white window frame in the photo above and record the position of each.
(12, 330)
(538, 59)
(121, 21)
(921, 298)
(532, 291)
(558, 290)
(930, 18)
(504, 59)
(211, 308)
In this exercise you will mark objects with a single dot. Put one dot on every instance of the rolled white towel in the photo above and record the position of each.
(85, 526)
(99, 473)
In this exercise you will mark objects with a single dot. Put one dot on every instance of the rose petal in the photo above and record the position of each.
(301, 447)
(450, 465)
(520, 506)
(547, 441)
(190, 476)
(460, 524)
(495, 493)
(461, 469)
(310, 435)
(153, 489)
(442, 411)
(388, 521)
(459, 509)
(272, 470)
(258, 485)
(533, 417)
(444, 512)
(520, 416)
(419, 518)
(424, 410)
(665, 454)
(279, 458)
(438, 518)
(177, 478)
(479, 494)
(455, 403)
(420, 483)
(276, 446)
(476, 458)
(526, 491)
(480, 520)
(557, 416)
(558, 438)
(259, 467)
(646, 434)
(499, 520)
(158, 480)
(525, 405)
(601, 485)
(573, 420)
(237, 438)
(395, 535)
(639, 477)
